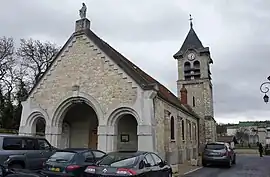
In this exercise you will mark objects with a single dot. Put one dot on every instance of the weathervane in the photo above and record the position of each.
(190, 19)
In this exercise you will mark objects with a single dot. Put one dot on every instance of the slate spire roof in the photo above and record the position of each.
(192, 41)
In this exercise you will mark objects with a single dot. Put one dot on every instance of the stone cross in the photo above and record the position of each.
(83, 11)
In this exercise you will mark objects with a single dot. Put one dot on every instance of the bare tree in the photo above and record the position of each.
(36, 57)
(242, 135)
(6, 55)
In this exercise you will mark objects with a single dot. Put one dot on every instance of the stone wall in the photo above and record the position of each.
(210, 127)
(85, 65)
(180, 149)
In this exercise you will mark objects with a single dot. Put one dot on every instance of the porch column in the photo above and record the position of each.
(26, 130)
(107, 138)
(145, 138)
(53, 135)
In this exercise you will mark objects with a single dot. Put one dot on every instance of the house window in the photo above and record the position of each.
(183, 130)
(190, 130)
(172, 129)
(194, 132)
(193, 101)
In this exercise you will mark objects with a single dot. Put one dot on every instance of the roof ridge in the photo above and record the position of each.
(143, 79)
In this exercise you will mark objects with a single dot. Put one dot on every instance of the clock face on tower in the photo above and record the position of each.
(191, 56)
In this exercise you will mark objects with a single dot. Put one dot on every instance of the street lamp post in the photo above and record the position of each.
(265, 89)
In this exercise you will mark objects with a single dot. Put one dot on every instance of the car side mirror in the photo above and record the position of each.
(162, 163)
(165, 162)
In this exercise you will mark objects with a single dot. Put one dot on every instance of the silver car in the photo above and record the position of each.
(218, 153)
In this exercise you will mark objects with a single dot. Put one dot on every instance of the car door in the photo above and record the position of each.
(98, 154)
(45, 149)
(32, 153)
(152, 170)
(89, 158)
(162, 169)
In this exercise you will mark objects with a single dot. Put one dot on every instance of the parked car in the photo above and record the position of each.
(6, 172)
(130, 164)
(24, 151)
(71, 161)
(218, 153)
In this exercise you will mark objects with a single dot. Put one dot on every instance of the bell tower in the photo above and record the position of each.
(194, 74)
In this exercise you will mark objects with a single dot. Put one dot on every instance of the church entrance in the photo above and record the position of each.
(39, 126)
(79, 127)
(127, 133)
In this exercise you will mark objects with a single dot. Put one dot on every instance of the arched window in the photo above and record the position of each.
(197, 70)
(193, 102)
(196, 64)
(187, 70)
(183, 130)
(172, 129)
(187, 65)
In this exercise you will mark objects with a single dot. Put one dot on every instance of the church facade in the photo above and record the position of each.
(92, 96)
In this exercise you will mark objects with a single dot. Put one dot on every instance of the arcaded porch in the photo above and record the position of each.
(77, 122)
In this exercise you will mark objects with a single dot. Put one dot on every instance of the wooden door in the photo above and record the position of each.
(93, 139)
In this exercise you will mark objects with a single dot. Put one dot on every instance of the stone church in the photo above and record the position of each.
(92, 96)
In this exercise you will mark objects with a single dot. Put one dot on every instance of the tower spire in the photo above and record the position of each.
(190, 19)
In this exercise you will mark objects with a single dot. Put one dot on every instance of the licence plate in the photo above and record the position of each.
(54, 169)
(214, 153)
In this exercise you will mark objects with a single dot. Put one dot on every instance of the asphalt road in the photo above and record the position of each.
(246, 166)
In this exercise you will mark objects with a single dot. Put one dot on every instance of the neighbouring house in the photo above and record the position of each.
(251, 132)
(92, 96)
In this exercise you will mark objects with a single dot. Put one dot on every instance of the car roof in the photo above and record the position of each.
(222, 143)
(18, 136)
(135, 153)
(75, 149)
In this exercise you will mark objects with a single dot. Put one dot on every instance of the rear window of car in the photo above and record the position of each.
(119, 160)
(215, 146)
(62, 156)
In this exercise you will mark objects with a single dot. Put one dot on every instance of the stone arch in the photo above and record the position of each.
(32, 121)
(116, 114)
(36, 113)
(65, 103)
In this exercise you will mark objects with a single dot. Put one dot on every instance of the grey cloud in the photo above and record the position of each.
(152, 31)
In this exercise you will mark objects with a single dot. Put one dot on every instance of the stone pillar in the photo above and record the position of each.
(82, 24)
(26, 130)
(53, 135)
(145, 138)
(107, 138)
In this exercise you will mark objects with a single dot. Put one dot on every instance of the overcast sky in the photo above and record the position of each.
(147, 31)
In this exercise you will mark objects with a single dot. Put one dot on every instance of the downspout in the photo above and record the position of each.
(153, 129)
(198, 137)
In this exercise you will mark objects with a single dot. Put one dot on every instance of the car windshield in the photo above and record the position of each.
(118, 160)
(214, 146)
(62, 156)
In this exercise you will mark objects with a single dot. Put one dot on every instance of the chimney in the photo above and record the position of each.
(183, 93)
(82, 24)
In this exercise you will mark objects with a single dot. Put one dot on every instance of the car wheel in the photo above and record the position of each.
(170, 174)
(234, 160)
(204, 163)
(229, 165)
(15, 166)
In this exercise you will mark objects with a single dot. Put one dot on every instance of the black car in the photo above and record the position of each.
(143, 164)
(71, 162)
(7, 172)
